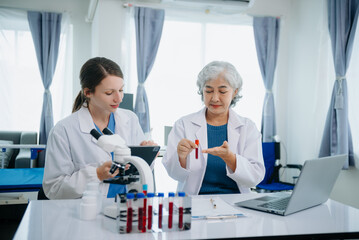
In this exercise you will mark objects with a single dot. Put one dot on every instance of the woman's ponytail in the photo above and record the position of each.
(79, 101)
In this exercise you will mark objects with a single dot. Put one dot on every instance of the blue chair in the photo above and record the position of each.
(271, 182)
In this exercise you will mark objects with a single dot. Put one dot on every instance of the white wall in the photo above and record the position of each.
(110, 37)
(305, 78)
(107, 30)
(303, 85)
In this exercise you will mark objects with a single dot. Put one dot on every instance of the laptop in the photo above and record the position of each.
(313, 187)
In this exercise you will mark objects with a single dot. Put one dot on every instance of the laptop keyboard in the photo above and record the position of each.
(279, 204)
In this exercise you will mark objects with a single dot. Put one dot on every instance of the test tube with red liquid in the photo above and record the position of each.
(160, 209)
(144, 190)
(130, 197)
(170, 209)
(197, 143)
(181, 195)
(141, 210)
(150, 209)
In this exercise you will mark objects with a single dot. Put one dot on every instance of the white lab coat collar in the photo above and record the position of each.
(87, 124)
(85, 120)
(234, 122)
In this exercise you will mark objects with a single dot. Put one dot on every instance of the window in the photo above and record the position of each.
(21, 92)
(186, 47)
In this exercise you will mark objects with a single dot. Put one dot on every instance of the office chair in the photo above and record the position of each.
(127, 101)
(41, 195)
(271, 181)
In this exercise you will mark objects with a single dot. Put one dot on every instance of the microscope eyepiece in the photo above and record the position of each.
(107, 131)
(95, 134)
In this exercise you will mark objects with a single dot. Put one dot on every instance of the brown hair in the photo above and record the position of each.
(91, 75)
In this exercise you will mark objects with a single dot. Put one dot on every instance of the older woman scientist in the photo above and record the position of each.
(232, 161)
(73, 158)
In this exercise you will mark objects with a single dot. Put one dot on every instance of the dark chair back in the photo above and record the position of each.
(271, 181)
(271, 152)
(41, 195)
(127, 101)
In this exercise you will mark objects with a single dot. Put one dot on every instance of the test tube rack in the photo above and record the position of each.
(143, 223)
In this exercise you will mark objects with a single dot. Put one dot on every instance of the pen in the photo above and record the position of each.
(223, 216)
(213, 203)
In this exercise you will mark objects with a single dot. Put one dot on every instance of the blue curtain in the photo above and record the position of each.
(266, 35)
(45, 30)
(342, 22)
(149, 24)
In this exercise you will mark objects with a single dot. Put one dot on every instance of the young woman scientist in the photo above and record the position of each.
(73, 158)
(232, 161)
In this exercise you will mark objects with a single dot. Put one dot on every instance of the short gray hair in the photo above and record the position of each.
(213, 69)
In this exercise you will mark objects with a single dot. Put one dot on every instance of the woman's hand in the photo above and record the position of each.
(184, 148)
(223, 152)
(148, 143)
(103, 171)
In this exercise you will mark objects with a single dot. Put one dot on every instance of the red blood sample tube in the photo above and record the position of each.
(141, 210)
(150, 209)
(160, 209)
(170, 209)
(197, 143)
(181, 195)
(130, 197)
(144, 187)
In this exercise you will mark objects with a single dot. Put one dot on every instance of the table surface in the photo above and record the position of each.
(59, 219)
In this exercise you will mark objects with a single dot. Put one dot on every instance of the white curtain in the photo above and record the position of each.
(21, 88)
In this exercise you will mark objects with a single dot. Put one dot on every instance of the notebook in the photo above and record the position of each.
(313, 187)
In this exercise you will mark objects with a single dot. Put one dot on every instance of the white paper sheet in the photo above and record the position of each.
(217, 207)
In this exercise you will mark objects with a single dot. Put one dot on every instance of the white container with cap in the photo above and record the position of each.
(88, 208)
(92, 189)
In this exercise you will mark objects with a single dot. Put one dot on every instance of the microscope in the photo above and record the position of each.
(122, 156)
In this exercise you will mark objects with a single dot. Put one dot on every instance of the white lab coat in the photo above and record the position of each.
(72, 154)
(243, 138)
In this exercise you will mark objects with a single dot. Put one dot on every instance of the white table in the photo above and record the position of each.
(33, 147)
(59, 219)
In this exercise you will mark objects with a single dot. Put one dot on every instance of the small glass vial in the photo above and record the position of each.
(141, 212)
(181, 195)
(150, 210)
(129, 204)
(160, 209)
(171, 196)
